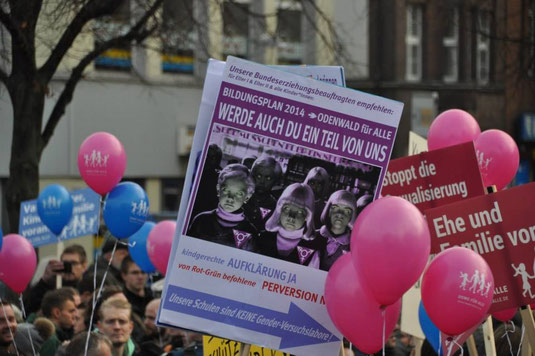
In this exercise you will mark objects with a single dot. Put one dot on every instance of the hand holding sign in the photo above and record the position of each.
(386, 232)
(452, 127)
(498, 158)
(457, 290)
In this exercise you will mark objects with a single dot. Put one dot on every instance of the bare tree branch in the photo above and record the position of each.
(92, 9)
(137, 33)
(15, 32)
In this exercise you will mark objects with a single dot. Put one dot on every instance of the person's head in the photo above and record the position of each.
(98, 345)
(214, 156)
(79, 321)
(234, 187)
(121, 251)
(134, 278)
(86, 285)
(318, 179)
(115, 321)
(340, 211)
(266, 172)
(74, 255)
(8, 325)
(294, 210)
(59, 306)
(248, 161)
(151, 311)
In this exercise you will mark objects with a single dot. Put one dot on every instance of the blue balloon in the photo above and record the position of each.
(137, 245)
(1, 238)
(431, 332)
(54, 206)
(125, 209)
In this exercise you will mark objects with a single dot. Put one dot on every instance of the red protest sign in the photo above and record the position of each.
(501, 228)
(435, 178)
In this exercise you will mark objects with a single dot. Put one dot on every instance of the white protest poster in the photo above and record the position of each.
(261, 284)
(214, 75)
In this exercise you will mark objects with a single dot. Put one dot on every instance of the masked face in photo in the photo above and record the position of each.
(339, 217)
(232, 195)
(292, 217)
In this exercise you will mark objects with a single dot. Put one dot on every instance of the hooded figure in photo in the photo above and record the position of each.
(290, 231)
(338, 218)
(318, 179)
(227, 224)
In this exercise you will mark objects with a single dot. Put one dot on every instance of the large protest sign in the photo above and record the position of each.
(435, 178)
(84, 221)
(501, 228)
(236, 288)
(214, 76)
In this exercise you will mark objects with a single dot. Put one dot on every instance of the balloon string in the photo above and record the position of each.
(506, 334)
(439, 343)
(24, 316)
(96, 298)
(10, 331)
(97, 295)
(384, 330)
(521, 340)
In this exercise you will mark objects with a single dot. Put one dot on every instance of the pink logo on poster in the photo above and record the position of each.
(304, 253)
(241, 237)
(264, 212)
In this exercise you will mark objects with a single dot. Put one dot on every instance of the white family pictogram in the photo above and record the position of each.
(523, 273)
(140, 208)
(51, 203)
(482, 161)
(96, 159)
(477, 281)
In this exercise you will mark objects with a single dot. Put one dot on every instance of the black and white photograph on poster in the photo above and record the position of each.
(279, 199)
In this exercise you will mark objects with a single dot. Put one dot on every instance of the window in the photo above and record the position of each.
(289, 44)
(171, 192)
(235, 29)
(451, 47)
(413, 42)
(178, 36)
(118, 58)
(483, 47)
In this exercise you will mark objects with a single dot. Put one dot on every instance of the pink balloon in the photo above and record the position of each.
(353, 311)
(101, 161)
(390, 245)
(457, 290)
(505, 315)
(159, 244)
(17, 262)
(498, 158)
(452, 127)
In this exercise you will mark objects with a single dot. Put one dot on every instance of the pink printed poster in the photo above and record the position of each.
(288, 163)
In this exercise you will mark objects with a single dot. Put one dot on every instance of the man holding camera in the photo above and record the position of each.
(70, 267)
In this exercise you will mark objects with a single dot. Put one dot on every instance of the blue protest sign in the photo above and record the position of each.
(295, 327)
(84, 221)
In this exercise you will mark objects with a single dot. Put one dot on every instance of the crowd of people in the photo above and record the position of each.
(67, 320)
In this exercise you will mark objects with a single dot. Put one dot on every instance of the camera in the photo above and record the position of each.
(67, 267)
